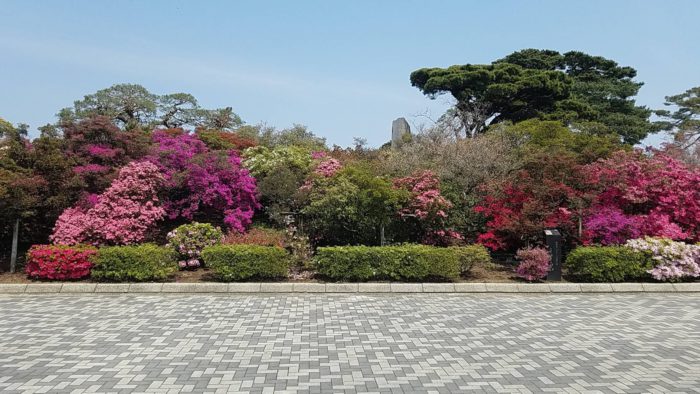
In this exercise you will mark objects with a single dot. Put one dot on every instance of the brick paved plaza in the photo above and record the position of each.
(350, 343)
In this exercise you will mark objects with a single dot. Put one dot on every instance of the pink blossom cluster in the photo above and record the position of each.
(102, 151)
(123, 214)
(91, 169)
(643, 195)
(328, 167)
(318, 155)
(200, 180)
(426, 199)
(534, 263)
(674, 260)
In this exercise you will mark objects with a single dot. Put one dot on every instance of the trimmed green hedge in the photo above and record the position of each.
(404, 262)
(471, 255)
(143, 262)
(241, 262)
(607, 264)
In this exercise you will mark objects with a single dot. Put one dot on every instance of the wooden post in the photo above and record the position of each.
(15, 239)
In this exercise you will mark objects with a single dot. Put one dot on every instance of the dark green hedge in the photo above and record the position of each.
(241, 262)
(607, 264)
(143, 262)
(404, 262)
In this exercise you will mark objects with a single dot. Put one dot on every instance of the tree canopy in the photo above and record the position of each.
(570, 87)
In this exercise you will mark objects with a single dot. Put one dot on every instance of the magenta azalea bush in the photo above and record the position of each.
(189, 240)
(534, 263)
(199, 181)
(674, 260)
(124, 214)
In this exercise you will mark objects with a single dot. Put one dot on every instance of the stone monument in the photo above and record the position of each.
(400, 132)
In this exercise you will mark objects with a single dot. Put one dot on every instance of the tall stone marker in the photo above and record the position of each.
(400, 132)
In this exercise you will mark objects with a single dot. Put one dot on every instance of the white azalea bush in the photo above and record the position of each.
(674, 260)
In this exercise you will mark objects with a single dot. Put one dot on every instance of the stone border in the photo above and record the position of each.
(344, 288)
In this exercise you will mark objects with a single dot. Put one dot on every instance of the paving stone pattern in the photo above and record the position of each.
(411, 343)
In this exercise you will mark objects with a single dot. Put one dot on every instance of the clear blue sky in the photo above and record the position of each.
(340, 68)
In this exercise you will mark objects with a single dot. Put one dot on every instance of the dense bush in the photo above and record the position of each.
(189, 240)
(57, 262)
(534, 263)
(674, 260)
(143, 262)
(471, 255)
(607, 264)
(241, 262)
(405, 262)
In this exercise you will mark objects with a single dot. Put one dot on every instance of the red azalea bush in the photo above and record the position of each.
(57, 262)
(640, 195)
(534, 263)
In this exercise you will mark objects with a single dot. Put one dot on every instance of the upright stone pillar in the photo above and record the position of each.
(400, 132)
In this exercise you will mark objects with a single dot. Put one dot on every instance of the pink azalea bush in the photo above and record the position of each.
(201, 181)
(675, 260)
(640, 195)
(534, 263)
(189, 240)
(124, 214)
(427, 206)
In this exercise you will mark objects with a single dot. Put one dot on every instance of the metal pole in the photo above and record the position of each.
(15, 239)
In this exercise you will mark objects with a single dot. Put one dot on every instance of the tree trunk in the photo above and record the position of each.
(381, 235)
(15, 239)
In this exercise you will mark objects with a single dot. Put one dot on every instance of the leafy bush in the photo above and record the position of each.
(607, 263)
(240, 262)
(57, 262)
(534, 263)
(188, 241)
(405, 262)
(471, 255)
(262, 236)
(137, 262)
(674, 260)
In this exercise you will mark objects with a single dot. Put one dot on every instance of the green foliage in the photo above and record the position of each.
(404, 262)
(145, 262)
(261, 160)
(241, 262)
(571, 87)
(684, 122)
(350, 207)
(190, 239)
(607, 264)
(471, 255)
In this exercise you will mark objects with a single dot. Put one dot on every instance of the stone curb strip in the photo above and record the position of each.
(398, 288)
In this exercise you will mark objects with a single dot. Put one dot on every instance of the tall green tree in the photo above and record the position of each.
(573, 87)
(684, 122)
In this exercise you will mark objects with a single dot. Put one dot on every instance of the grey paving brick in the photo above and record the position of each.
(12, 288)
(342, 287)
(43, 288)
(502, 287)
(317, 343)
(406, 288)
(687, 287)
(145, 287)
(438, 287)
(374, 288)
(564, 287)
(595, 287)
(112, 288)
(195, 287)
(78, 288)
(276, 287)
(309, 288)
(470, 287)
(627, 287)
(243, 287)
(659, 287)
(533, 288)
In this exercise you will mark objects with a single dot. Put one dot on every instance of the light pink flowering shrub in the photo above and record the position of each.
(328, 167)
(122, 215)
(189, 240)
(674, 260)
(534, 263)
